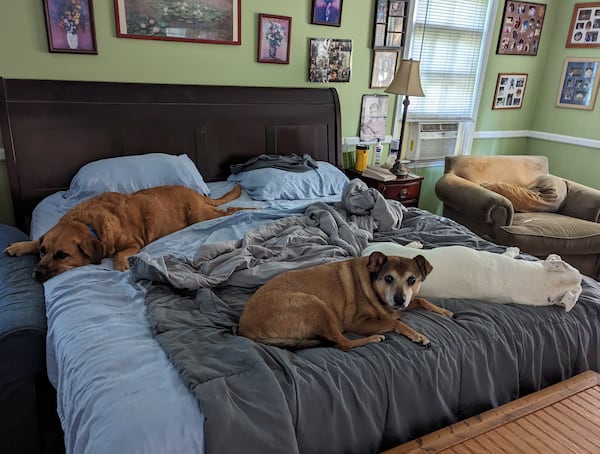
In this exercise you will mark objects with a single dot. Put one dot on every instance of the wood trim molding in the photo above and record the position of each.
(571, 140)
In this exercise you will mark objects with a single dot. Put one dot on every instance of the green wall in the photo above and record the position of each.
(539, 112)
(24, 54)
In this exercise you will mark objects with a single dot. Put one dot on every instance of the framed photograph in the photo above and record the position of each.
(384, 68)
(197, 21)
(373, 117)
(390, 24)
(274, 34)
(510, 90)
(585, 25)
(330, 60)
(381, 11)
(70, 26)
(579, 83)
(327, 12)
(521, 28)
(397, 8)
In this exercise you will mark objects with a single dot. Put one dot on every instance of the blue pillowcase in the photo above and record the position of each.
(127, 174)
(275, 184)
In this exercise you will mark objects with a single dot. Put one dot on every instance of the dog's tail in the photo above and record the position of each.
(231, 195)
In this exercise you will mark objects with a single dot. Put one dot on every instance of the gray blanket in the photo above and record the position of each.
(325, 233)
(261, 399)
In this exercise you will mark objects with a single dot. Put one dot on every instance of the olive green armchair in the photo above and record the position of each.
(515, 201)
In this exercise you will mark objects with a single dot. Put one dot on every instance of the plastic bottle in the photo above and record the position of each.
(378, 153)
(393, 154)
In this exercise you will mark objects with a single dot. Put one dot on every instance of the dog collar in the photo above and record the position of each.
(92, 231)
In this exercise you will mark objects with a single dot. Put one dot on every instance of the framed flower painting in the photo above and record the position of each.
(274, 38)
(70, 26)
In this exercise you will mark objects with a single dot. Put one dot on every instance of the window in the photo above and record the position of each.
(449, 39)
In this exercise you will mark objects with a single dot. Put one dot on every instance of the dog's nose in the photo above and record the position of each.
(399, 300)
(39, 275)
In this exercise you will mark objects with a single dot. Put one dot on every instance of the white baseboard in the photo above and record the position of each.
(571, 140)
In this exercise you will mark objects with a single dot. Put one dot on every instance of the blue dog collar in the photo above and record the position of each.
(92, 231)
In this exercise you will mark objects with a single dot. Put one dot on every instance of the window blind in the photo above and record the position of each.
(447, 39)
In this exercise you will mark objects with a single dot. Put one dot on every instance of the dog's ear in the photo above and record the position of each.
(376, 261)
(424, 265)
(93, 249)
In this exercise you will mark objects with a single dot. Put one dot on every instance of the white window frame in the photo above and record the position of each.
(465, 138)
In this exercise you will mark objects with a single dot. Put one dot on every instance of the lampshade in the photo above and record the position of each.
(407, 80)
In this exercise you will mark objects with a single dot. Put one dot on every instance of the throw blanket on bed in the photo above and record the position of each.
(325, 233)
(258, 398)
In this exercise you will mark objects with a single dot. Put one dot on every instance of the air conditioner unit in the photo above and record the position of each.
(432, 141)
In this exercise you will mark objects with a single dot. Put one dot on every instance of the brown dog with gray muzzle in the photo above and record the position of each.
(363, 295)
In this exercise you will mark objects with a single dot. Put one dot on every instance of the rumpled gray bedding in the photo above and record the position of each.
(260, 399)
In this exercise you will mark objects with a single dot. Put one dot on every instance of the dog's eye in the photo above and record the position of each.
(42, 251)
(60, 255)
(388, 279)
(411, 281)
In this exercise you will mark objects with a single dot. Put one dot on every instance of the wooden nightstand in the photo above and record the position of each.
(403, 189)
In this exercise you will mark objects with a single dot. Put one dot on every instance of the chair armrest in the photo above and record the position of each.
(581, 202)
(474, 201)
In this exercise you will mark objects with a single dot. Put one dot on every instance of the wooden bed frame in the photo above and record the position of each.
(52, 128)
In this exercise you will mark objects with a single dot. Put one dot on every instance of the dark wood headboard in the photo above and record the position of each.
(52, 128)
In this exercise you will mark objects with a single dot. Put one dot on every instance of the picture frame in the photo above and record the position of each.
(584, 30)
(510, 91)
(579, 83)
(390, 24)
(373, 117)
(70, 26)
(384, 68)
(274, 33)
(196, 21)
(327, 12)
(521, 29)
(330, 60)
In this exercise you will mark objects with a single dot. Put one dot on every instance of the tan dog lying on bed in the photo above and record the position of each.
(364, 295)
(118, 225)
(463, 272)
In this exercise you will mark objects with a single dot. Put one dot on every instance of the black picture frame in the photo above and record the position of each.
(327, 12)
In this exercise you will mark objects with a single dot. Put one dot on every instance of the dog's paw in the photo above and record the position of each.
(421, 340)
(15, 250)
(415, 244)
(448, 313)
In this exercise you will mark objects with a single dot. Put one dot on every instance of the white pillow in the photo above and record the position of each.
(129, 174)
(276, 184)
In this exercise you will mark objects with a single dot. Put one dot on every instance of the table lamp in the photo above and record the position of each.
(406, 82)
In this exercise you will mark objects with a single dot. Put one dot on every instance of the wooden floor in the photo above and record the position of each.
(564, 418)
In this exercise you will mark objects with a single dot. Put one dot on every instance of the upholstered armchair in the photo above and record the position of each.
(515, 201)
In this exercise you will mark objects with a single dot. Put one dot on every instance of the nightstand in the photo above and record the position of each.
(405, 189)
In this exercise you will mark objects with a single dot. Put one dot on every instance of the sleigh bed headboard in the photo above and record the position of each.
(51, 128)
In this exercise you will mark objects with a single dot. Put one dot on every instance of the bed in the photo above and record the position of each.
(149, 361)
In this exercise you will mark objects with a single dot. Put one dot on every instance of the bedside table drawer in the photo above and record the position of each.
(402, 191)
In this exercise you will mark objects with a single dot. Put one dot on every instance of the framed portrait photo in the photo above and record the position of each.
(521, 28)
(585, 25)
(373, 117)
(510, 90)
(199, 21)
(274, 34)
(384, 68)
(327, 12)
(579, 83)
(70, 26)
